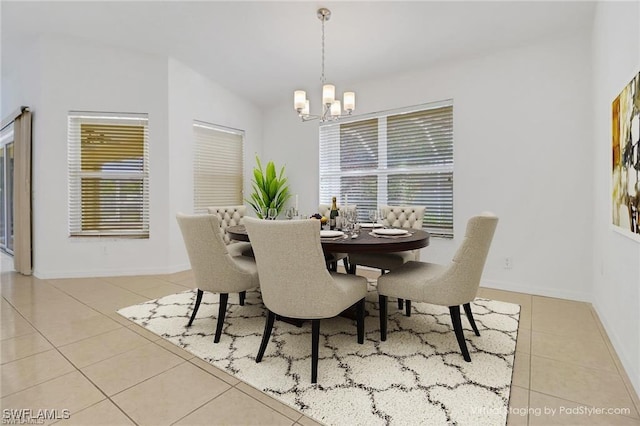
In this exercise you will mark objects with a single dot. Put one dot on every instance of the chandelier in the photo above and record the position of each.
(331, 108)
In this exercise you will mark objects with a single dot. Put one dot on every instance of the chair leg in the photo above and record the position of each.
(467, 310)
(382, 300)
(345, 262)
(407, 307)
(457, 327)
(243, 295)
(224, 297)
(360, 321)
(400, 303)
(315, 341)
(196, 306)
(266, 335)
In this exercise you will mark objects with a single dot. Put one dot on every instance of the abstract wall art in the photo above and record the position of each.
(625, 171)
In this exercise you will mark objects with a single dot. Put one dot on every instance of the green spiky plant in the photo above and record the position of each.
(269, 190)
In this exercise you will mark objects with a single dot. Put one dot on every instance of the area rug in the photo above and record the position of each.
(417, 376)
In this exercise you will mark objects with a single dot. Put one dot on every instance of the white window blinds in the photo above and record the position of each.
(218, 166)
(394, 158)
(108, 160)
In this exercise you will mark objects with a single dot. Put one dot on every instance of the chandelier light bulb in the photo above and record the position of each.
(328, 94)
(299, 99)
(335, 109)
(349, 101)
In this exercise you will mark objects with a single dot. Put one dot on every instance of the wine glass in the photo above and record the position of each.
(289, 213)
(272, 213)
(374, 215)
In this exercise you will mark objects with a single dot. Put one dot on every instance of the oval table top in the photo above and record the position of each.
(364, 243)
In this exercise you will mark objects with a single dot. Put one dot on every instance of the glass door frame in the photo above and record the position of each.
(7, 141)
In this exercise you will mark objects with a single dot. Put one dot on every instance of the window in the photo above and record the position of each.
(6, 188)
(401, 157)
(108, 174)
(218, 166)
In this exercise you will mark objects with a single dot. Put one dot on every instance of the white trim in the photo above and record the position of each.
(578, 296)
(624, 232)
(85, 273)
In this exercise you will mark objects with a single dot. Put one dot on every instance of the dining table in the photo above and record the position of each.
(365, 242)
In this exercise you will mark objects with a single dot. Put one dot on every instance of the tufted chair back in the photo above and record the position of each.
(228, 216)
(403, 216)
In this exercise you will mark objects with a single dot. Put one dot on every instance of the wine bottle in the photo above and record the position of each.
(333, 214)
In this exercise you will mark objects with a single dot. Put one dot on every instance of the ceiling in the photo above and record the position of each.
(264, 50)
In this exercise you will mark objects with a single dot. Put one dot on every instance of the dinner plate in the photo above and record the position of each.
(330, 234)
(390, 231)
(371, 225)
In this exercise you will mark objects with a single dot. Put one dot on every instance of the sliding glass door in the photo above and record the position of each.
(6, 191)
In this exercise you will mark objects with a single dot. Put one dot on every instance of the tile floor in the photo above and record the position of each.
(65, 348)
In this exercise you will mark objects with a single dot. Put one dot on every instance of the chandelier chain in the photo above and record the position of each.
(322, 77)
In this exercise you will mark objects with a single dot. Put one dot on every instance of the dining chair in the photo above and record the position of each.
(333, 258)
(232, 216)
(215, 270)
(295, 282)
(408, 217)
(449, 285)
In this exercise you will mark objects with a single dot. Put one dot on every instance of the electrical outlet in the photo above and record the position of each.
(508, 262)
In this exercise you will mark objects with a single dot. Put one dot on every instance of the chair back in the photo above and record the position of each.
(294, 280)
(466, 267)
(228, 216)
(403, 216)
(213, 267)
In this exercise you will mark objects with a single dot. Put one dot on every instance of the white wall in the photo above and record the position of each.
(56, 75)
(521, 121)
(616, 266)
(192, 96)
(73, 75)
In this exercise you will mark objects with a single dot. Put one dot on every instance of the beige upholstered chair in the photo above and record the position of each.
(449, 285)
(334, 258)
(232, 216)
(397, 217)
(214, 269)
(295, 282)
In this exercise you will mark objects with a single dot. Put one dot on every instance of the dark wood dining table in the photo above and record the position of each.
(364, 243)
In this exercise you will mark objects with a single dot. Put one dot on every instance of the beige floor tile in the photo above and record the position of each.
(518, 414)
(235, 408)
(175, 349)
(306, 421)
(30, 371)
(523, 344)
(101, 347)
(23, 346)
(15, 327)
(63, 332)
(269, 402)
(122, 371)
(585, 351)
(228, 378)
(563, 317)
(103, 413)
(71, 392)
(522, 299)
(143, 332)
(521, 370)
(547, 410)
(162, 290)
(580, 384)
(138, 282)
(169, 396)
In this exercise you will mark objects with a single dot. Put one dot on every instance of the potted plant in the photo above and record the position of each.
(269, 190)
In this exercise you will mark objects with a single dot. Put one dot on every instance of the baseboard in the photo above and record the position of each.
(538, 291)
(630, 368)
(48, 275)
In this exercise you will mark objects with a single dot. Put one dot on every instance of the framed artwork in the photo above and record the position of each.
(625, 170)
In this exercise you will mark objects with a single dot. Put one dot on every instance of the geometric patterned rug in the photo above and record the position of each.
(416, 377)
